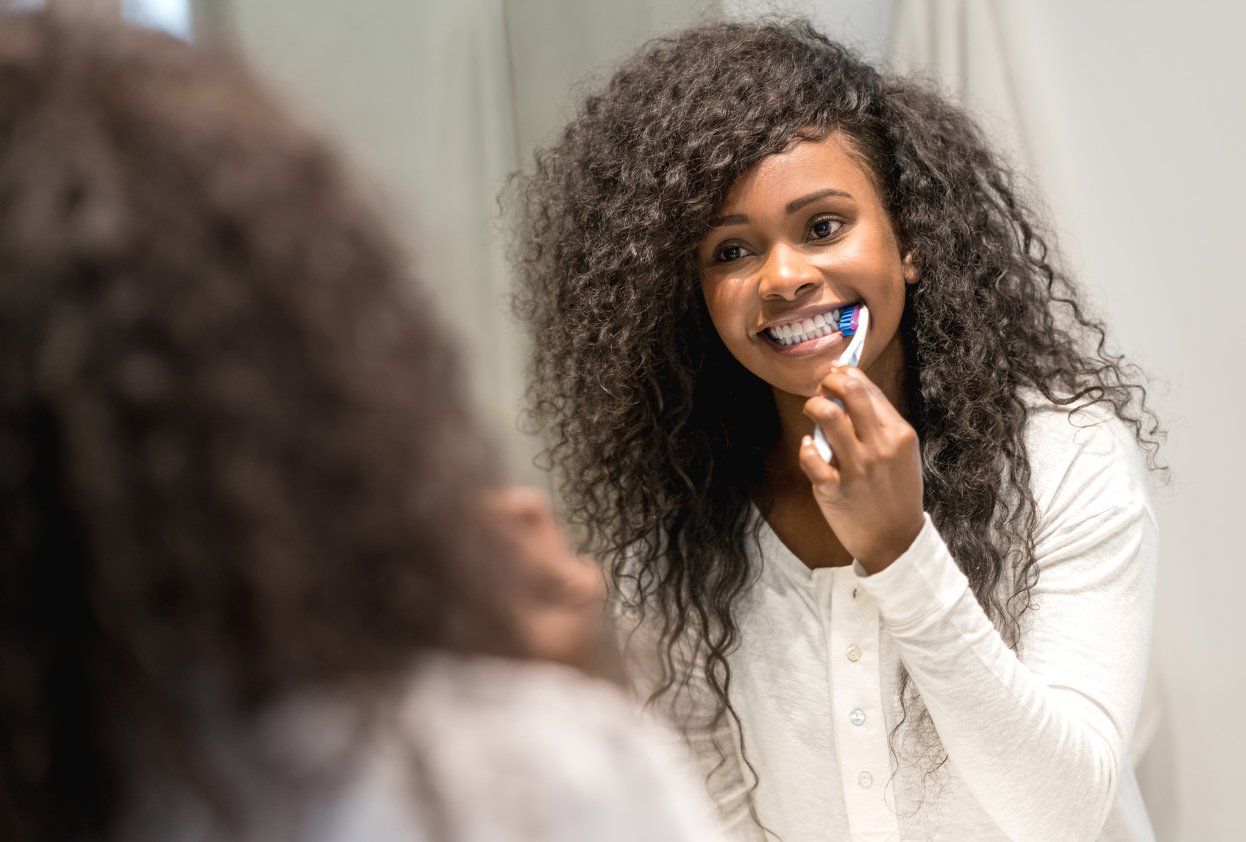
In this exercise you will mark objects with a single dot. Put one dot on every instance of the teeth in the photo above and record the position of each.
(794, 333)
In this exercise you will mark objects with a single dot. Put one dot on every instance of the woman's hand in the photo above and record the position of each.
(871, 493)
(560, 604)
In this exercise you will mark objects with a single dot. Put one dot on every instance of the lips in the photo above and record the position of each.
(807, 347)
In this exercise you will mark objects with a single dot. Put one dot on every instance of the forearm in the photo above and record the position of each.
(1041, 751)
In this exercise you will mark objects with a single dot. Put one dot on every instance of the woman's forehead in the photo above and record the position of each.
(806, 165)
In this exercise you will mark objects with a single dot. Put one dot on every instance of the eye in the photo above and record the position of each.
(824, 227)
(730, 252)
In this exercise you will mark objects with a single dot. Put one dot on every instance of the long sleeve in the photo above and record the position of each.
(1040, 735)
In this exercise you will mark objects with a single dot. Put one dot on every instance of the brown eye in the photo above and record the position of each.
(731, 252)
(825, 227)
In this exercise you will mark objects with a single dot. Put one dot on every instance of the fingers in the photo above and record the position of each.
(559, 601)
(821, 475)
(521, 504)
(525, 519)
(837, 427)
(857, 392)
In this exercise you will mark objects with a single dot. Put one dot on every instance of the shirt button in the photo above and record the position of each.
(853, 652)
(854, 593)
(857, 716)
(865, 779)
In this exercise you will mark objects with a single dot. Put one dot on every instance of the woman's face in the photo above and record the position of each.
(801, 235)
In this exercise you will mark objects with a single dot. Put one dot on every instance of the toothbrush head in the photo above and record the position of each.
(849, 319)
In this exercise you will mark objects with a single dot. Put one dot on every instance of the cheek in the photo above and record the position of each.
(726, 311)
(872, 266)
(872, 259)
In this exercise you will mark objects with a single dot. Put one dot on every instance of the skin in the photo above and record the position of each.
(802, 231)
(561, 611)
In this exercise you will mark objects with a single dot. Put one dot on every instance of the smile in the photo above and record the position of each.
(805, 330)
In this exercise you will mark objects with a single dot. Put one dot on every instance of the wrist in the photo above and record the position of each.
(901, 539)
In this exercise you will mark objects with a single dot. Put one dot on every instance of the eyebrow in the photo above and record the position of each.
(792, 207)
(797, 204)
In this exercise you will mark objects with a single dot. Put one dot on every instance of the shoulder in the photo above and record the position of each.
(544, 750)
(1084, 460)
(519, 700)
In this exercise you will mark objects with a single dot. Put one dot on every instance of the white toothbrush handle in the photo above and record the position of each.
(850, 356)
(823, 446)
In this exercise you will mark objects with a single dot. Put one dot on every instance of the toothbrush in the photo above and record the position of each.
(854, 321)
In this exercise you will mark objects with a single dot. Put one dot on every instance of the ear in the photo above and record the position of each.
(912, 272)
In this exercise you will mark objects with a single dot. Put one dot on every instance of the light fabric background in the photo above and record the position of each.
(1130, 116)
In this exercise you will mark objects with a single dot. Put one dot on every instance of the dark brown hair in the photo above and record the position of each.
(235, 460)
(657, 433)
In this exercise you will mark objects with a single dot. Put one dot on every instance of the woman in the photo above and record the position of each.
(257, 578)
(943, 632)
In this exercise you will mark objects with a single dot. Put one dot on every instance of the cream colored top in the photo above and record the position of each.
(477, 749)
(1038, 739)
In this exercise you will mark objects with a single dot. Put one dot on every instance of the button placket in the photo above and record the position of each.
(856, 697)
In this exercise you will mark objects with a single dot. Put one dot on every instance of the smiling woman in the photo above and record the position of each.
(780, 258)
(829, 637)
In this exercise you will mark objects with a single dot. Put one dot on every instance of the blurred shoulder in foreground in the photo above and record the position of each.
(254, 583)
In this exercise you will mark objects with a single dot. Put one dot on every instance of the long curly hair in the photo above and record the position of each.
(237, 460)
(657, 433)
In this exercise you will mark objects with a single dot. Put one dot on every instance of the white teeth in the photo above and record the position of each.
(793, 333)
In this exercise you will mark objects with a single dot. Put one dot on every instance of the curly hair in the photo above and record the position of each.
(657, 433)
(236, 457)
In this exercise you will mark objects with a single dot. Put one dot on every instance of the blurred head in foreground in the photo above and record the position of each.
(234, 451)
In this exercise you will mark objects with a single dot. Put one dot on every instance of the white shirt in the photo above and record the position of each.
(500, 750)
(1037, 740)
(531, 751)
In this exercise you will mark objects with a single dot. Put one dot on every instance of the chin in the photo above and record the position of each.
(802, 389)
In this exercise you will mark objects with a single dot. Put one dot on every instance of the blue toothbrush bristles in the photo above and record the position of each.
(848, 320)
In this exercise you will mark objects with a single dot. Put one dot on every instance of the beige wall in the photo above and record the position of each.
(1153, 92)
(419, 95)
(437, 101)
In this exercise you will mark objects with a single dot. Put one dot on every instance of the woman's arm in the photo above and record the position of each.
(1039, 739)
(1039, 736)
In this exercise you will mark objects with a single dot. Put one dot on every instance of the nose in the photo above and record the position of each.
(787, 275)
